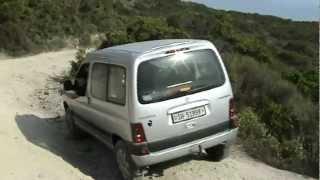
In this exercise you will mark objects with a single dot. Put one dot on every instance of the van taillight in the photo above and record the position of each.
(234, 121)
(138, 133)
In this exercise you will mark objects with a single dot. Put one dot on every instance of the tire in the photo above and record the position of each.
(73, 130)
(127, 168)
(219, 152)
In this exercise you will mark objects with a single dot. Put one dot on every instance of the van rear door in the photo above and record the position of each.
(183, 97)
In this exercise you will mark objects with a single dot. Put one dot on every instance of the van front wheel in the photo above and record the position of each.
(126, 166)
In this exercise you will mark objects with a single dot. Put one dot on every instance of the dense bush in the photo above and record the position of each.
(254, 47)
(255, 138)
(260, 143)
(74, 67)
(284, 116)
(307, 82)
(143, 29)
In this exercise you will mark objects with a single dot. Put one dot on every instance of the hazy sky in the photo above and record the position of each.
(302, 10)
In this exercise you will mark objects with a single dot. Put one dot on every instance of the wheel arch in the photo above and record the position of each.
(115, 138)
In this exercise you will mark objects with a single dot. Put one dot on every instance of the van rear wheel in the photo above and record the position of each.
(126, 166)
(73, 130)
(219, 152)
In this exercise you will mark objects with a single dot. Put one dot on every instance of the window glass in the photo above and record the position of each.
(81, 80)
(116, 85)
(178, 75)
(99, 81)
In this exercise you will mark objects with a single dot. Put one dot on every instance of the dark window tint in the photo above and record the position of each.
(81, 80)
(178, 75)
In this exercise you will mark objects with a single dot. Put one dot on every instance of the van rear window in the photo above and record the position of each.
(178, 75)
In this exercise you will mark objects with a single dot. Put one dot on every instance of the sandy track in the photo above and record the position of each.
(34, 144)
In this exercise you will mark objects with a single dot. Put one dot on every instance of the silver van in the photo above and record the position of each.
(153, 101)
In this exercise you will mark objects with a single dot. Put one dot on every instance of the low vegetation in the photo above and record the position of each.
(272, 62)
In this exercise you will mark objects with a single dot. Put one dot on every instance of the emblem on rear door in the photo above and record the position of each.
(149, 123)
(190, 125)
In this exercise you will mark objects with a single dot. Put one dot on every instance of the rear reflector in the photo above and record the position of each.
(234, 121)
(138, 133)
(139, 150)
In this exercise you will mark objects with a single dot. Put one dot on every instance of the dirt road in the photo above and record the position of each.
(34, 145)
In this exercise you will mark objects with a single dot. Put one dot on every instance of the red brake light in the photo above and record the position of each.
(138, 133)
(234, 121)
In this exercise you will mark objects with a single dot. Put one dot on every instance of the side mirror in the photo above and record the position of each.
(67, 85)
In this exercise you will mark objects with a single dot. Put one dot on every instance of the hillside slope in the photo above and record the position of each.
(34, 144)
(272, 62)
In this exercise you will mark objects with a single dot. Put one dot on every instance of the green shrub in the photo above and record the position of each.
(14, 39)
(75, 65)
(306, 82)
(259, 143)
(255, 138)
(254, 82)
(293, 58)
(254, 47)
(147, 28)
(279, 121)
(85, 40)
(282, 116)
(55, 43)
(250, 126)
(142, 29)
(114, 38)
(301, 47)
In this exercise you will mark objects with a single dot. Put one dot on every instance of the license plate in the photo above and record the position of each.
(188, 114)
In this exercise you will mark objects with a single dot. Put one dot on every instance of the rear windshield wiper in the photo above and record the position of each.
(202, 87)
(197, 88)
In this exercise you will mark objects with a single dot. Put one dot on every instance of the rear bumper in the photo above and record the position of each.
(225, 137)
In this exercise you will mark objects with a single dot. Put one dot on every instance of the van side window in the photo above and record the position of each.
(108, 83)
(81, 80)
(99, 78)
(116, 84)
